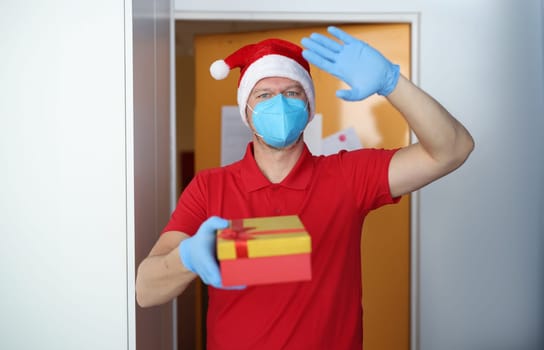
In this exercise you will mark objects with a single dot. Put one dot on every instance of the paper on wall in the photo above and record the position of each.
(313, 134)
(235, 135)
(346, 139)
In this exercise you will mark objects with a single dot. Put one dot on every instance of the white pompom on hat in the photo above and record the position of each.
(265, 59)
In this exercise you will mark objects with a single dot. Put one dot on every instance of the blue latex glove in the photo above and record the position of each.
(198, 252)
(359, 65)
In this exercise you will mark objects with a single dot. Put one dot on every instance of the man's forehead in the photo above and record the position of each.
(275, 82)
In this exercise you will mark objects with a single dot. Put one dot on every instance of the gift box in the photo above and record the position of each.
(264, 250)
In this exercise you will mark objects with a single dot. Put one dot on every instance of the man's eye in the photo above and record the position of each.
(264, 96)
(291, 93)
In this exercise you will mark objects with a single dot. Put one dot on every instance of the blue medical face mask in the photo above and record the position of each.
(280, 120)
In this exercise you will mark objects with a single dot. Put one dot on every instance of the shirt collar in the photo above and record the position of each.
(298, 179)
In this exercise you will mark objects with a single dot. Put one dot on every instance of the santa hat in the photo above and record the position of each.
(268, 58)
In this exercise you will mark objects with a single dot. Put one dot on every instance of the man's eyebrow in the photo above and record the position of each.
(262, 89)
(292, 86)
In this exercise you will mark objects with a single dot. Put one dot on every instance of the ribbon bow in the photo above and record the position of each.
(240, 235)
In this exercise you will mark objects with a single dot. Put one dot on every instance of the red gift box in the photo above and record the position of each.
(264, 250)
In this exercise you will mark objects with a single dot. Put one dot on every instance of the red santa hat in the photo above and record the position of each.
(268, 58)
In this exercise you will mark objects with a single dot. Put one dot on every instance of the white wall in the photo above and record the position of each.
(64, 279)
(481, 229)
(67, 184)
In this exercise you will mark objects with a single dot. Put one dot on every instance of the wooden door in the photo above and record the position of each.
(386, 234)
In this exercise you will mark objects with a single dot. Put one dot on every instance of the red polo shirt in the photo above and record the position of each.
(331, 195)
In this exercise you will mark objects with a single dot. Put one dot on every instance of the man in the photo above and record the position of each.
(278, 176)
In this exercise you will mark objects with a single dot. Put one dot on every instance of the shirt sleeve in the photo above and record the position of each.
(367, 171)
(190, 210)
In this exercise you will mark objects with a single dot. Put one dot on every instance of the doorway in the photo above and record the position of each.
(386, 257)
